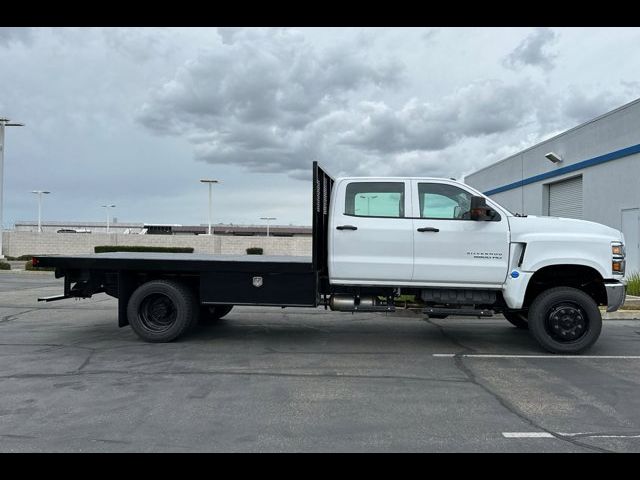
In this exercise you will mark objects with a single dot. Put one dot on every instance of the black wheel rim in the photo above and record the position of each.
(157, 313)
(567, 322)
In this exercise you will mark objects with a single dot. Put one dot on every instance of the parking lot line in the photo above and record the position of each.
(527, 435)
(486, 355)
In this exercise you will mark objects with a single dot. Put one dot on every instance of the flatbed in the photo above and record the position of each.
(178, 261)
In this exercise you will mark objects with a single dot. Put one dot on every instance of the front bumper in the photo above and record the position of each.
(616, 293)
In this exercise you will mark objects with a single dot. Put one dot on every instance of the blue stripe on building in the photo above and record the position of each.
(607, 157)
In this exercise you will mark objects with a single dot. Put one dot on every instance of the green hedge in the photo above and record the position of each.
(29, 266)
(633, 284)
(254, 251)
(5, 266)
(124, 248)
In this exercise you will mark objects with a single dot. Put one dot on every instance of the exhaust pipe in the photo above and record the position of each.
(353, 303)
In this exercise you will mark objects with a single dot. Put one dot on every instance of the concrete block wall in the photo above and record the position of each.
(31, 243)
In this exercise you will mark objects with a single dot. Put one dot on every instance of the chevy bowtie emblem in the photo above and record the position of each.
(257, 281)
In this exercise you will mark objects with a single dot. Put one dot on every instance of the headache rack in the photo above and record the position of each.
(322, 185)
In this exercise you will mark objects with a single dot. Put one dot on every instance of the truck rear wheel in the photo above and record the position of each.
(162, 310)
(213, 313)
(565, 320)
(517, 319)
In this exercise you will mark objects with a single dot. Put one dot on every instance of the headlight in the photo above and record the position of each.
(617, 266)
(617, 257)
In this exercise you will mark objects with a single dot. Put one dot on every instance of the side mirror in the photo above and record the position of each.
(479, 209)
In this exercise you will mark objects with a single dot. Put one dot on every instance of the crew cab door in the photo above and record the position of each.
(449, 247)
(370, 234)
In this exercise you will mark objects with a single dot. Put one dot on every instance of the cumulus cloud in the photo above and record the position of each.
(269, 101)
(534, 50)
(480, 108)
(9, 35)
(264, 98)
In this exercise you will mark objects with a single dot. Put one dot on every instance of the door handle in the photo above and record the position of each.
(346, 227)
(428, 229)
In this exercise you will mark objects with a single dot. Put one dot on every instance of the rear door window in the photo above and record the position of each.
(375, 199)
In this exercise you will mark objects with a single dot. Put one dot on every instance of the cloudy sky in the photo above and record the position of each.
(136, 116)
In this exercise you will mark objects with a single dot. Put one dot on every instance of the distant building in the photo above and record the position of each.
(71, 227)
(590, 172)
(82, 227)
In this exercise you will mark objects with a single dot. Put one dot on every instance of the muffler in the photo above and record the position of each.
(354, 303)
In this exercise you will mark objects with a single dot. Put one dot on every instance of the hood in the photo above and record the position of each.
(526, 228)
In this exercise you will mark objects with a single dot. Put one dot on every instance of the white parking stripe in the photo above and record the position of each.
(596, 435)
(481, 355)
(527, 435)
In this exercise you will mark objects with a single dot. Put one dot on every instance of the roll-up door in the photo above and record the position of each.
(565, 198)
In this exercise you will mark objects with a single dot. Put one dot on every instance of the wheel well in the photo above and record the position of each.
(581, 277)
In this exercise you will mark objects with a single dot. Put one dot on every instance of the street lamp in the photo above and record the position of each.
(4, 122)
(267, 219)
(210, 182)
(40, 193)
(107, 207)
(368, 197)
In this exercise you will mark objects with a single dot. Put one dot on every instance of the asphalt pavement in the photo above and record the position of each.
(271, 379)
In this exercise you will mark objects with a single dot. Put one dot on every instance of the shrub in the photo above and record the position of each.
(29, 266)
(254, 251)
(4, 266)
(125, 248)
(633, 284)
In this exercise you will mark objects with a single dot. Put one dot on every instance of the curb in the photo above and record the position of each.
(622, 315)
(26, 272)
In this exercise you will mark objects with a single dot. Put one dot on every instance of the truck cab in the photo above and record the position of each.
(462, 253)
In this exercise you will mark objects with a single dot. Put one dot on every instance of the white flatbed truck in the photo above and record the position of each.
(374, 239)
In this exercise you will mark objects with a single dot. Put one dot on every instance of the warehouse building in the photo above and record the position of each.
(590, 172)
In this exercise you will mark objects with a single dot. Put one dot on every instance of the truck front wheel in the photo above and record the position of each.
(565, 320)
(162, 310)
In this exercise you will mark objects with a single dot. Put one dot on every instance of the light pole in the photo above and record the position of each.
(210, 182)
(368, 197)
(40, 193)
(4, 122)
(267, 219)
(107, 207)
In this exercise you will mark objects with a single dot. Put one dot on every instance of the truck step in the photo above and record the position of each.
(467, 312)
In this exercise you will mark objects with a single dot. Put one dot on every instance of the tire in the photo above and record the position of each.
(161, 311)
(565, 320)
(516, 318)
(213, 313)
